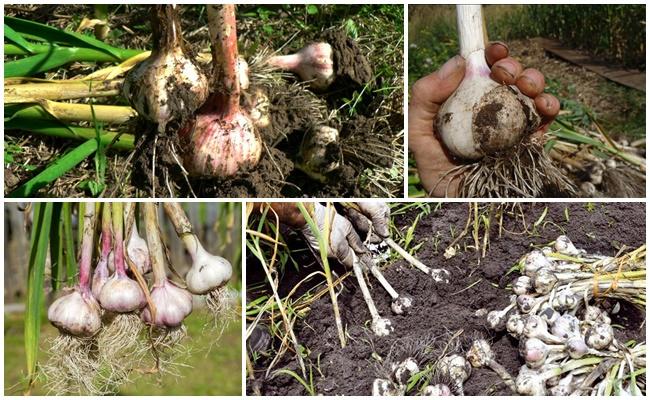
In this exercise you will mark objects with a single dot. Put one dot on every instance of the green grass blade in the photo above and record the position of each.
(20, 42)
(58, 129)
(35, 279)
(55, 35)
(57, 56)
(56, 170)
(56, 247)
(69, 255)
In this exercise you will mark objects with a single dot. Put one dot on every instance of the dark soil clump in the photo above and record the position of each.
(440, 309)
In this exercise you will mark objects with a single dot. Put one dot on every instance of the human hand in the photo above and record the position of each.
(431, 91)
(370, 217)
(343, 239)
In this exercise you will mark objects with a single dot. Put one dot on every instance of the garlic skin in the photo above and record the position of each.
(208, 272)
(121, 294)
(320, 152)
(167, 85)
(437, 390)
(405, 370)
(138, 252)
(221, 145)
(457, 368)
(152, 86)
(313, 64)
(100, 276)
(172, 304)
(482, 117)
(76, 313)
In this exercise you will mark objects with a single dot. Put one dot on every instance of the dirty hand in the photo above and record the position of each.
(428, 94)
(370, 217)
(343, 239)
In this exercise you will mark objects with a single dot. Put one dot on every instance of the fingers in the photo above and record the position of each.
(344, 241)
(379, 214)
(531, 82)
(506, 71)
(432, 90)
(496, 51)
(547, 105)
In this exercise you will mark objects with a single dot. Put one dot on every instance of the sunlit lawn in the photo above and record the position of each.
(213, 372)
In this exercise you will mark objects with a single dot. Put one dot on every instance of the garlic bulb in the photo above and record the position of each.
(439, 389)
(167, 85)
(208, 271)
(457, 368)
(122, 294)
(320, 152)
(405, 370)
(313, 64)
(482, 117)
(76, 313)
(222, 139)
(172, 304)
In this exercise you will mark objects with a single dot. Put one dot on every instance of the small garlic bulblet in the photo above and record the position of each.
(172, 304)
(76, 313)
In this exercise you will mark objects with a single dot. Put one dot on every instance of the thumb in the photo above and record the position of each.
(428, 93)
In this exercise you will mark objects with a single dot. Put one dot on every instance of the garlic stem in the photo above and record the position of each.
(223, 32)
(118, 233)
(470, 28)
(156, 250)
(106, 231)
(165, 26)
(287, 62)
(471, 35)
(438, 275)
(87, 244)
(183, 227)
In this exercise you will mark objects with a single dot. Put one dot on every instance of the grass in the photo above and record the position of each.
(216, 372)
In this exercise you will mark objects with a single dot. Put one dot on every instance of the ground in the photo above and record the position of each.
(207, 364)
(443, 309)
(368, 112)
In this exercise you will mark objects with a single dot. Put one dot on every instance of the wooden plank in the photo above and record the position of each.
(628, 77)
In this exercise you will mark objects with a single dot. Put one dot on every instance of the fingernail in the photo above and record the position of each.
(529, 82)
(505, 71)
(499, 43)
(451, 66)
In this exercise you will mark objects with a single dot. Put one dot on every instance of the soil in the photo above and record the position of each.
(440, 309)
